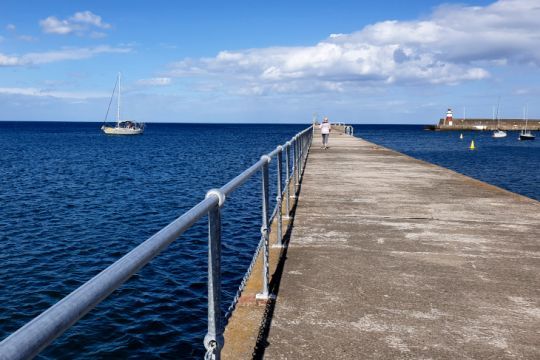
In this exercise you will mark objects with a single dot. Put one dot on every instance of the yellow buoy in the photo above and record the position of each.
(472, 145)
(461, 136)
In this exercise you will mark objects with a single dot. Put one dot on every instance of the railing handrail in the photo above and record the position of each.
(34, 336)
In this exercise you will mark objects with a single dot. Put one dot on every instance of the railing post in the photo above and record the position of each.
(279, 197)
(301, 156)
(265, 295)
(288, 178)
(214, 340)
(300, 152)
(297, 163)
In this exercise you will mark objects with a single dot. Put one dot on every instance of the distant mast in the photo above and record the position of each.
(449, 117)
(118, 100)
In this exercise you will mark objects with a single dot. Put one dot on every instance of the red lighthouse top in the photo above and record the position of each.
(448, 120)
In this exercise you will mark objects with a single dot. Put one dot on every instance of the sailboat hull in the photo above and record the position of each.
(121, 131)
(123, 127)
(526, 137)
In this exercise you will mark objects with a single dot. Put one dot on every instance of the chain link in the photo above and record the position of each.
(210, 352)
(247, 275)
(231, 307)
(236, 298)
(234, 302)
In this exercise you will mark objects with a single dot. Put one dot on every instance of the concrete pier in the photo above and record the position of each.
(393, 258)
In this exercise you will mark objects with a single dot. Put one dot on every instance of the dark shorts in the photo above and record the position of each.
(325, 138)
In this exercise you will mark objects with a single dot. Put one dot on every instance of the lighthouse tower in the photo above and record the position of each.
(449, 119)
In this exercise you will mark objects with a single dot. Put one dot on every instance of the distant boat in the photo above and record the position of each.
(122, 127)
(498, 133)
(526, 134)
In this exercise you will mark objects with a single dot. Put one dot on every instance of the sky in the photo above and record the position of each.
(387, 62)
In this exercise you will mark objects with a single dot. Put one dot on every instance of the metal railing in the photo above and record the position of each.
(33, 337)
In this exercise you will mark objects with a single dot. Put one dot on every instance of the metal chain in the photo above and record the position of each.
(247, 275)
(231, 307)
(210, 352)
(234, 302)
(274, 213)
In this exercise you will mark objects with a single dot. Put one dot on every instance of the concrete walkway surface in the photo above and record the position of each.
(394, 258)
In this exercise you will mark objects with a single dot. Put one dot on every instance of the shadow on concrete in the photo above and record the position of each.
(264, 330)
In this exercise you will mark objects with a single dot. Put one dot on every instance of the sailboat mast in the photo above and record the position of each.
(497, 115)
(118, 101)
(526, 115)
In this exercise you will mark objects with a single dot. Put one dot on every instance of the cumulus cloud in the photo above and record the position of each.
(65, 54)
(80, 23)
(456, 43)
(156, 81)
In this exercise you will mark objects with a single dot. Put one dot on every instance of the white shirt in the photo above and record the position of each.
(325, 128)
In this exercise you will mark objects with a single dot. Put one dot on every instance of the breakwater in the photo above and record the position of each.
(486, 124)
(392, 257)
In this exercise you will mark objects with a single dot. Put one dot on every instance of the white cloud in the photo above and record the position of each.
(52, 25)
(70, 54)
(27, 38)
(35, 92)
(80, 23)
(9, 60)
(59, 55)
(13, 29)
(156, 81)
(87, 17)
(455, 44)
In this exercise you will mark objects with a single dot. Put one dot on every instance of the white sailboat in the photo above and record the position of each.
(526, 134)
(498, 133)
(122, 127)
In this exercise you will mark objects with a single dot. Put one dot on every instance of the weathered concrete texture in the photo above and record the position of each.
(394, 258)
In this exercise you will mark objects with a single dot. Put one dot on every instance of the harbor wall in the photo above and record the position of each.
(487, 124)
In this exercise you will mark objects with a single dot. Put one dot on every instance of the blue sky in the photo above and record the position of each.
(279, 61)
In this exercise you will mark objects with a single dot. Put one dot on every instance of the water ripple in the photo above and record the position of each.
(74, 201)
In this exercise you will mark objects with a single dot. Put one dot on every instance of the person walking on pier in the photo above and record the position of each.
(325, 132)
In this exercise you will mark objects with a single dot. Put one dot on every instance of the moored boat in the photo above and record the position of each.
(498, 133)
(526, 134)
(122, 127)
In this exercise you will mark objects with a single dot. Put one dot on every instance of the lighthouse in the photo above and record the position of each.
(448, 119)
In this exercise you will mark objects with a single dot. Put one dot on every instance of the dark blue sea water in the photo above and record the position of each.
(508, 163)
(74, 200)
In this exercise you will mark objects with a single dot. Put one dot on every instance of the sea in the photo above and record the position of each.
(74, 200)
